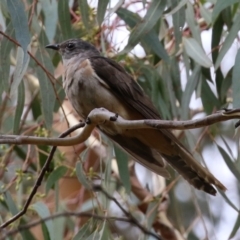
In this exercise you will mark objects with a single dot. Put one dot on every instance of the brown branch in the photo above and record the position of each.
(127, 213)
(68, 214)
(40, 178)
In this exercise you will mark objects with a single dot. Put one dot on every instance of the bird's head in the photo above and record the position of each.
(72, 47)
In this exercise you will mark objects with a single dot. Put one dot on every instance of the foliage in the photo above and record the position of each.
(188, 70)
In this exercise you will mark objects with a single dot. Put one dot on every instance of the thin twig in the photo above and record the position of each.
(40, 177)
(128, 214)
(66, 214)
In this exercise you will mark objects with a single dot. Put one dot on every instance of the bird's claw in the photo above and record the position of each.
(114, 118)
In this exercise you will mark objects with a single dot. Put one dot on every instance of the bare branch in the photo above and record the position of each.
(103, 117)
(40, 178)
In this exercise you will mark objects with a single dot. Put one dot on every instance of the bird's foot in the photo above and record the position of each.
(114, 118)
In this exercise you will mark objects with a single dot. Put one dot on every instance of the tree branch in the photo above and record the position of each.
(103, 117)
(40, 178)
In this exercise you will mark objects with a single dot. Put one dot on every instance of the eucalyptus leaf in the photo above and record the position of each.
(196, 52)
(81, 176)
(55, 176)
(64, 19)
(122, 162)
(19, 108)
(101, 10)
(153, 14)
(228, 41)
(43, 211)
(220, 5)
(20, 24)
(236, 81)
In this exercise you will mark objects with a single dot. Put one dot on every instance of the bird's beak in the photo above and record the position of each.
(53, 46)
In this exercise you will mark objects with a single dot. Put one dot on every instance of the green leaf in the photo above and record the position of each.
(50, 17)
(216, 37)
(229, 162)
(5, 49)
(235, 228)
(104, 233)
(20, 69)
(236, 81)
(46, 88)
(101, 10)
(187, 94)
(228, 201)
(220, 5)
(85, 230)
(209, 100)
(151, 39)
(81, 176)
(192, 23)
(228, 41)
(196, 52)
(20, 24)
(84, 10)
(122, 162)
(10, 203)
(19, 108)
(178, 19)
(152, 16)
(43, 212)
(55, 176)
(64, 19)
(180, 4)
(206, 14)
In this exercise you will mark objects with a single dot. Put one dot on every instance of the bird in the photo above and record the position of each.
(91, 81)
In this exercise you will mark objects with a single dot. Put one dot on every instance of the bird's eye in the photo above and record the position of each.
(70, 45)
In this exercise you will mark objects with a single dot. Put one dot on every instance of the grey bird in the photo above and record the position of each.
(93, 81)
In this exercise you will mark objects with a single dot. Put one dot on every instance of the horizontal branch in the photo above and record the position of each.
(116, 124)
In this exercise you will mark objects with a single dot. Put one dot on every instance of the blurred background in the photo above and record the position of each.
(185, 55)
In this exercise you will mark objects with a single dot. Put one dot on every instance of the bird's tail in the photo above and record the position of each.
(193, 171)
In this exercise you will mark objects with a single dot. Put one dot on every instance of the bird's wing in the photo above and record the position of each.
(122, 84)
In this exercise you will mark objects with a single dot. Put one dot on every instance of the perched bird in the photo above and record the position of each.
(93, 81)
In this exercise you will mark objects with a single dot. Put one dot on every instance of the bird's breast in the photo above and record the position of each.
(86, 91)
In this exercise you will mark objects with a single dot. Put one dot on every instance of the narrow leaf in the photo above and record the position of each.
(19, 108)
(229, 162)
(101, 10)
(235, 228)
(181, 4)
(84, 10)
(20, 24)
(209, 99)
(81, 176)
(50, 17)
(5, 52)
(152, 16)
(122, 162)
(151, 39)
(64, 19)
(20, 69)
(85, 230)
(46, 88)
(220, 5)
(228, 41)
(190, 87)
(236, 81)
(55, 176)
(104, 233)
(196, 52)
(43, 212)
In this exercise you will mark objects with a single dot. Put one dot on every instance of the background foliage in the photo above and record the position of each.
(190, 68)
